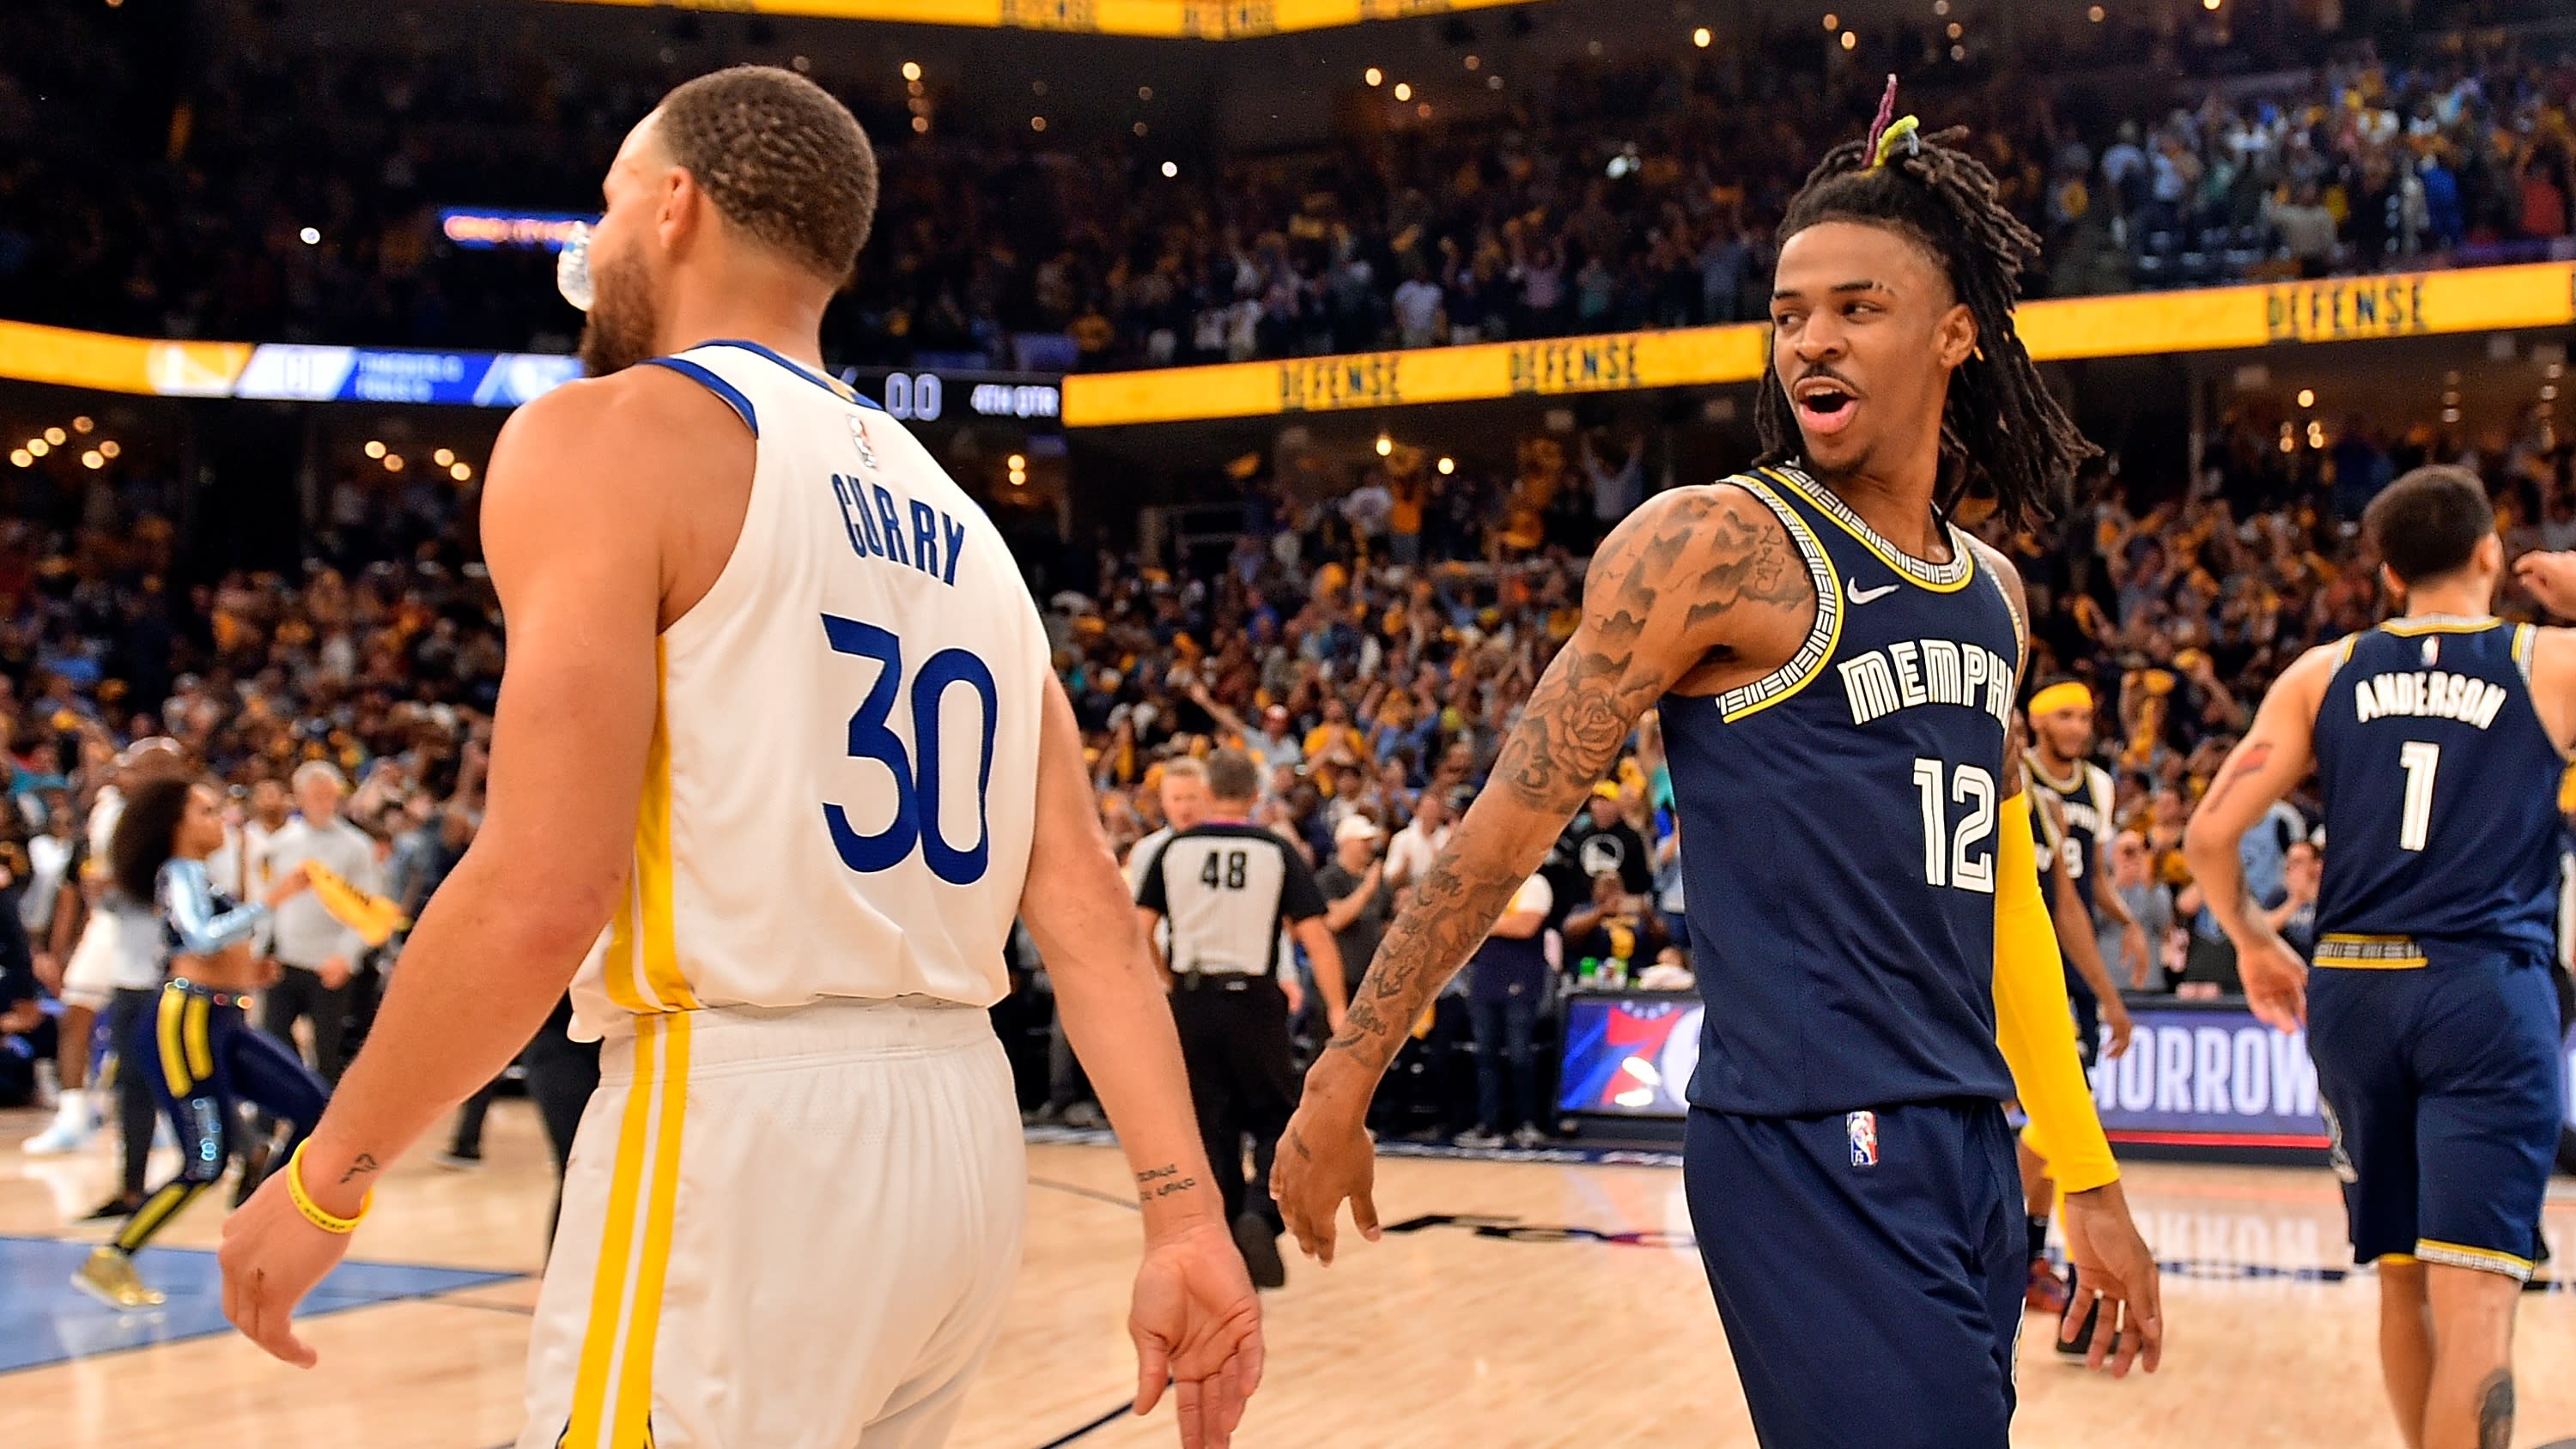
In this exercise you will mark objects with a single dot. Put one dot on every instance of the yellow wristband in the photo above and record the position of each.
(312, 1211)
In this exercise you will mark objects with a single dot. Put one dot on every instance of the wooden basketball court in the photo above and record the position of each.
(1522, 1304)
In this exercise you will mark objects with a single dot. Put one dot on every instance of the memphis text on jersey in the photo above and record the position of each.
(2435, 692)
(877, 528)
(1912, 672)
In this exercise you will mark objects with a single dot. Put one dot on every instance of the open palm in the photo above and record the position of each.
(1197, 1325)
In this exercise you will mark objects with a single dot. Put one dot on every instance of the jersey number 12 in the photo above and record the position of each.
(1946, 850)
(916, 790)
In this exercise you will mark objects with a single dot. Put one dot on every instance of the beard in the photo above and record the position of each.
(621, 325)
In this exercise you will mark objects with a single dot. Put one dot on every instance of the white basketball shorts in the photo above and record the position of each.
(89, 977)
(782, 1229)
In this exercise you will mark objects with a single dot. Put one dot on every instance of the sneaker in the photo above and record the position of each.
(60, 1138)
(459, 1161)
(1479, 1139)
(2047, 1292)
(1085, 1116)
(1259, 1244)
(1527, 1136)
(1042, 1115)
(110, 1278)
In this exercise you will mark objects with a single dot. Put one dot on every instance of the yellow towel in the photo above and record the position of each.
(373, 917)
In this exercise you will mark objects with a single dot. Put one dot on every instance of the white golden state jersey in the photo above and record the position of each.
(842, 784)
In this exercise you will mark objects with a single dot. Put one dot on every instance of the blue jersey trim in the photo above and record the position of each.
(706, 378)
(831, 385)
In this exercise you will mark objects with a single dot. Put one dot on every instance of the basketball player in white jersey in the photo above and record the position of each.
(778, 717)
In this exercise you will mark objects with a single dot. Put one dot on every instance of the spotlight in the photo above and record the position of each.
(92, 461)
(55, 436)
(1037, 123)
(21, 458)
(1171, 169)
(375, 448)
(1019, 463)
(912, 70)
(443, 457)
(83, 426)
(1373, 76)
(1403, 91)
(1701, 37)
(1385, 445)
(39, 447)
(1850, 40)
(393, 462)
(920, 125)
(110, 448)
(310, 237)
(1833, 21)
(2307, 397)
(460, 471)
(1448, 466)
(2094, 14)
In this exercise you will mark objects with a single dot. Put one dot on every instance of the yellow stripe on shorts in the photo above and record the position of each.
(201, 1041)
(613, 1391)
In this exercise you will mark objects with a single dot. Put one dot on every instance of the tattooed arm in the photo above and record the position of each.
(1661, 595)
(2273, 757)
(1697, 574)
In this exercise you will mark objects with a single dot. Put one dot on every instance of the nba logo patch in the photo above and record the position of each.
(1862, 1128)
(2432, 652)
(859, 435)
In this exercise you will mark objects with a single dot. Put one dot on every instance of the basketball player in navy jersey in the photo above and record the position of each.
(2438, 740)
(1835, 667)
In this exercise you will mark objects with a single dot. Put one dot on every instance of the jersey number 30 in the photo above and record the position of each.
(1949, 856)
(916, 790)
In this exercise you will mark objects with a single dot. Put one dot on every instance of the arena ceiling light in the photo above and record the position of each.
(93, 460)
(1171, 169)
(1701, 37)
(2094, 14)
(1385, 445)
(1448, 466)
(460, 471)
(110, 448)
(443, 457)
(1373, 76)
(39, 447)
(1403, 91)
(1850, 40)
(84, 426)
(2307, 397)
(1833, 22)
(375, 448)
(21, 458)
(912, 70)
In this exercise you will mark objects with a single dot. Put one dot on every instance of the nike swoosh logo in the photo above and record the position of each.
(1860, 595)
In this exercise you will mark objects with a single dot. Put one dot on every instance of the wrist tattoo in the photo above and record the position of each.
(1159, 1182)
(366, 1163)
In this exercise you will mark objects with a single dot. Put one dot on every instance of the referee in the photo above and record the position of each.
(1226, 885)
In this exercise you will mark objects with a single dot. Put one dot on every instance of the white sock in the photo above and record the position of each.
(72, 1112)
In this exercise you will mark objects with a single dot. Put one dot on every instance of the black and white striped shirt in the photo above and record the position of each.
(1225, 888)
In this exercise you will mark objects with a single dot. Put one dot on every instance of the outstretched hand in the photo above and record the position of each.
(2114, 1272)
(1197, 1327)
(1325, 1157)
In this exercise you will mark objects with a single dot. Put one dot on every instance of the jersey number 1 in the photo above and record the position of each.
(2420, 761)
(916, 791)
(1946, 857)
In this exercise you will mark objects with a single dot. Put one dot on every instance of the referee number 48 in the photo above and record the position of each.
(1232, 877)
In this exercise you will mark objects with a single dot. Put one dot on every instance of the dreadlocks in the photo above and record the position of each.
(2002, 432)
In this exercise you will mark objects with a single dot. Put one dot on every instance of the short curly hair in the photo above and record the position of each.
(781, 159)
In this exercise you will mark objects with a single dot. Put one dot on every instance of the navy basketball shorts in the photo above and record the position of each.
(2441, 1087)
(1869, 1269)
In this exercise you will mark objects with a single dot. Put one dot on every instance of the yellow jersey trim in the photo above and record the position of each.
(1946, 578)
(1822, 636)
(2461, 1255)
(2349, 951)
(174, 1053)
(2408, 628)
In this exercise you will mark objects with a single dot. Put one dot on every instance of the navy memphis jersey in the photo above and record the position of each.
(2441, 797)
(1838, 832)
(2084, 802)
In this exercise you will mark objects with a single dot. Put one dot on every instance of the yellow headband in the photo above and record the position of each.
(2069, 695)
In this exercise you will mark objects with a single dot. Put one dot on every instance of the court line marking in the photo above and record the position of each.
(1093, 1193)
(1102, 1422)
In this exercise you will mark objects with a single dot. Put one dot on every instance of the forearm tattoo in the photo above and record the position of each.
(1719, 549)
